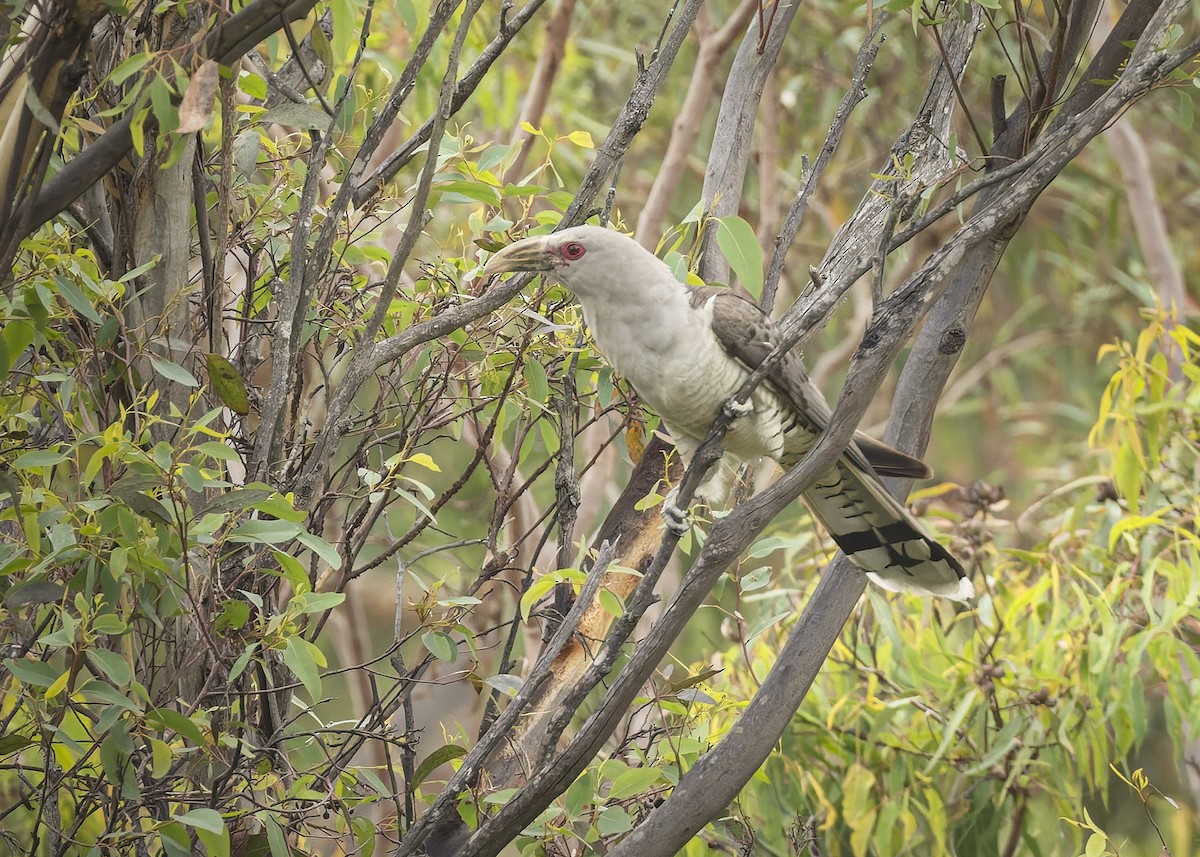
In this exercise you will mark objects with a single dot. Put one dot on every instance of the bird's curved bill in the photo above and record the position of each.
(528, 254)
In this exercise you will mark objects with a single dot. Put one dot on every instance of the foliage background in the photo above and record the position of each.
(197, 658)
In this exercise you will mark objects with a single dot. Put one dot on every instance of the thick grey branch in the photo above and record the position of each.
(715, 780)
(726, 171)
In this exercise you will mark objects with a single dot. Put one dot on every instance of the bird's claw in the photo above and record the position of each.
(677, 520)
(735, 409)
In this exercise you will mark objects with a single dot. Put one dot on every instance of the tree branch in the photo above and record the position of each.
(366, 188)
(726, 173)
(686, 129)
(716, 778)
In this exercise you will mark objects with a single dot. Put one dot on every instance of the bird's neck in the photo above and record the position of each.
(633, 321)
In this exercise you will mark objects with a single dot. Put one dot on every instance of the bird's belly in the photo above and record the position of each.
(700, 390)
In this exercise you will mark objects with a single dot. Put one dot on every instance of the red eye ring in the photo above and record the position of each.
(573, 251)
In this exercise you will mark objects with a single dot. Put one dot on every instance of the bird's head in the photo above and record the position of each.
(583, 258)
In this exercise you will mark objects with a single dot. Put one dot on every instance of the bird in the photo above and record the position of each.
(687, 349)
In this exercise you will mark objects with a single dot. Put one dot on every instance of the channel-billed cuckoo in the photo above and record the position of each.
(687, 349)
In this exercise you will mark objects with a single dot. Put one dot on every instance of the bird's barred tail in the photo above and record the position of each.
(879, 536)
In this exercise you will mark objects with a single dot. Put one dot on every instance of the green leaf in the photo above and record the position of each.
(129, 67)
(34, 673)
(614, 820)
(441, 646)
(317, 602)
(137, 131)
(17, 335)
(227, 384)
(633, 782)
(271, 531)
(950, 732)
(343, 13)
(165, 112)
(33, 592)
(40, 458)
(202, 819)
(435, 760)
(161, 758)
(279, 506)
(169, 718)
(39, 110)
(275, 837)
(215, 844)
(254, 85)
(505, 683)
(465, 191)
(301, 658)
(174, 372)
(296, 116)
(115, 667)
(536, 591)
(610, 603)
(1127, 474)
(327, 552)
(738, 242)
(109, 623)
(13, 742)
(77, 300)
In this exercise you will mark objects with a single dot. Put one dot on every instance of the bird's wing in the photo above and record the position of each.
(748, 335)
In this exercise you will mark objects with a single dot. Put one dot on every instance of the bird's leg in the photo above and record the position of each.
(677, 520)
(735, 409)
(708, 493)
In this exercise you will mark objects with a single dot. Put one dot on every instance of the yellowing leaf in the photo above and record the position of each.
(582, 139)
(635, 441)
(859, 807)
(58, 686)
(425, 461)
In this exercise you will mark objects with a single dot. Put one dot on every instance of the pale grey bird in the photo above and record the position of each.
(686, 350)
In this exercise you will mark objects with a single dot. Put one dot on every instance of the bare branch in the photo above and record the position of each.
(855, 93)
(549, 61)
(726, 171)
(686, 129)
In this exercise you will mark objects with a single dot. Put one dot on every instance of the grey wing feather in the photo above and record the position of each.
(749, 335)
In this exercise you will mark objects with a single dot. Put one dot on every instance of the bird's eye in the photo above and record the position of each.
(573, 250)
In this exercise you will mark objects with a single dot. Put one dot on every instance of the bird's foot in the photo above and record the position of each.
(734, 408)
(677, 520)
